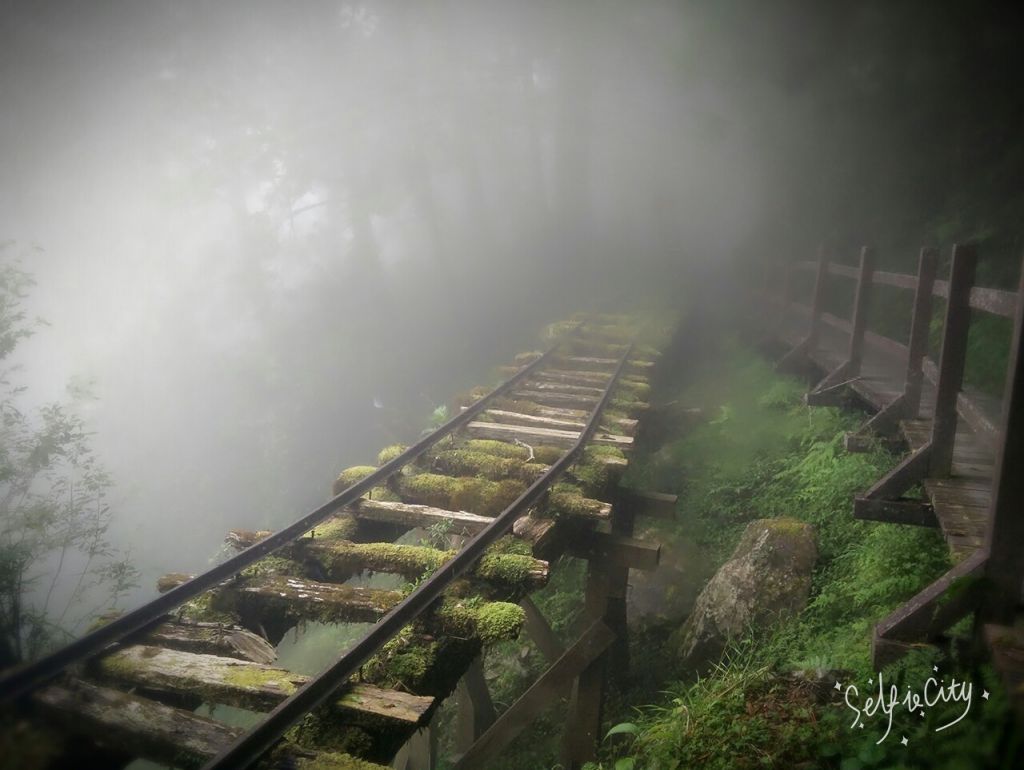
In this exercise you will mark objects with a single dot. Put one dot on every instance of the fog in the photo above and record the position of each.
(275, 236)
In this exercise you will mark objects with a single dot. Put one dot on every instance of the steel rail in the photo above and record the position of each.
(251, 746)
(22, 680)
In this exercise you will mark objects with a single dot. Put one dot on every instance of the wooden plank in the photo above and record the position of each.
(931, 610)
(548, 436)
(211, 639)
(899, 280)
(594, 641)
(995, 301)
(557, 399)
(540, 632)
(412, 515)
(137, 726)
(532, 420)
(912, 512)
(656, 505)
(615, 549)
(299, 598)
(952, 359)
(252, 686)
(563, 387)
(843, 271)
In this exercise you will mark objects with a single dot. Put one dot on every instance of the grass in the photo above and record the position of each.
(763, 454)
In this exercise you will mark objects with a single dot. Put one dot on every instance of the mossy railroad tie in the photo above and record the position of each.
(218, 648)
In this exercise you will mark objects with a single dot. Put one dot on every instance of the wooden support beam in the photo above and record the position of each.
(931, 611)
(915, 512)
(586, 702)
(556, 680)
(952, 359)
(547, 436)
(540, 632)
(831, 391)
(920, 325)
(882, 424)
(614, 549)
(1005, 532)
(475, 710)
(655, 505)
(911, 470)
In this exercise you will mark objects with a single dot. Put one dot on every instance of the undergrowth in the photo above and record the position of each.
(771, 702)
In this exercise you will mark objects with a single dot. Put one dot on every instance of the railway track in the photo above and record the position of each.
(522, 474)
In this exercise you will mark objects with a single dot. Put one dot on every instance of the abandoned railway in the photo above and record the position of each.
(521, 475)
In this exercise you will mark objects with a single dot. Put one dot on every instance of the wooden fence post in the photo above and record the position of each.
(952, 359)
(1005, 537)
(586, 704)
(860, 311)
(818, 301)
(920, 324)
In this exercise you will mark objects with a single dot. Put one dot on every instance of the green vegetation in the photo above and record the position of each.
(54, 505)
(770, 702)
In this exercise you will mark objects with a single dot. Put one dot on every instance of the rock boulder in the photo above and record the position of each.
(767, 578)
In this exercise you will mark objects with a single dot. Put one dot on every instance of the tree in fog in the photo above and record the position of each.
(54, 512)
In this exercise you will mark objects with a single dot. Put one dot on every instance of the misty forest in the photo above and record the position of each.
(575, 385)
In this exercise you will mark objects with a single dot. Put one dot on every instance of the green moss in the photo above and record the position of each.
(516, 405)
(342, 527)
(491, 622)
(383, 494)
(404, 661)
(461, 494)
(343, 558)
(208, 608)
(329, 760)
(389, 453)
(351, 476)
(499, 621)
(497, 448)
(505, 568)
(633, 390)
(596, 450)
(548, 455)
(272, 565)
(255, 678)
(466, 462)
(568, 500)
(511, 544)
